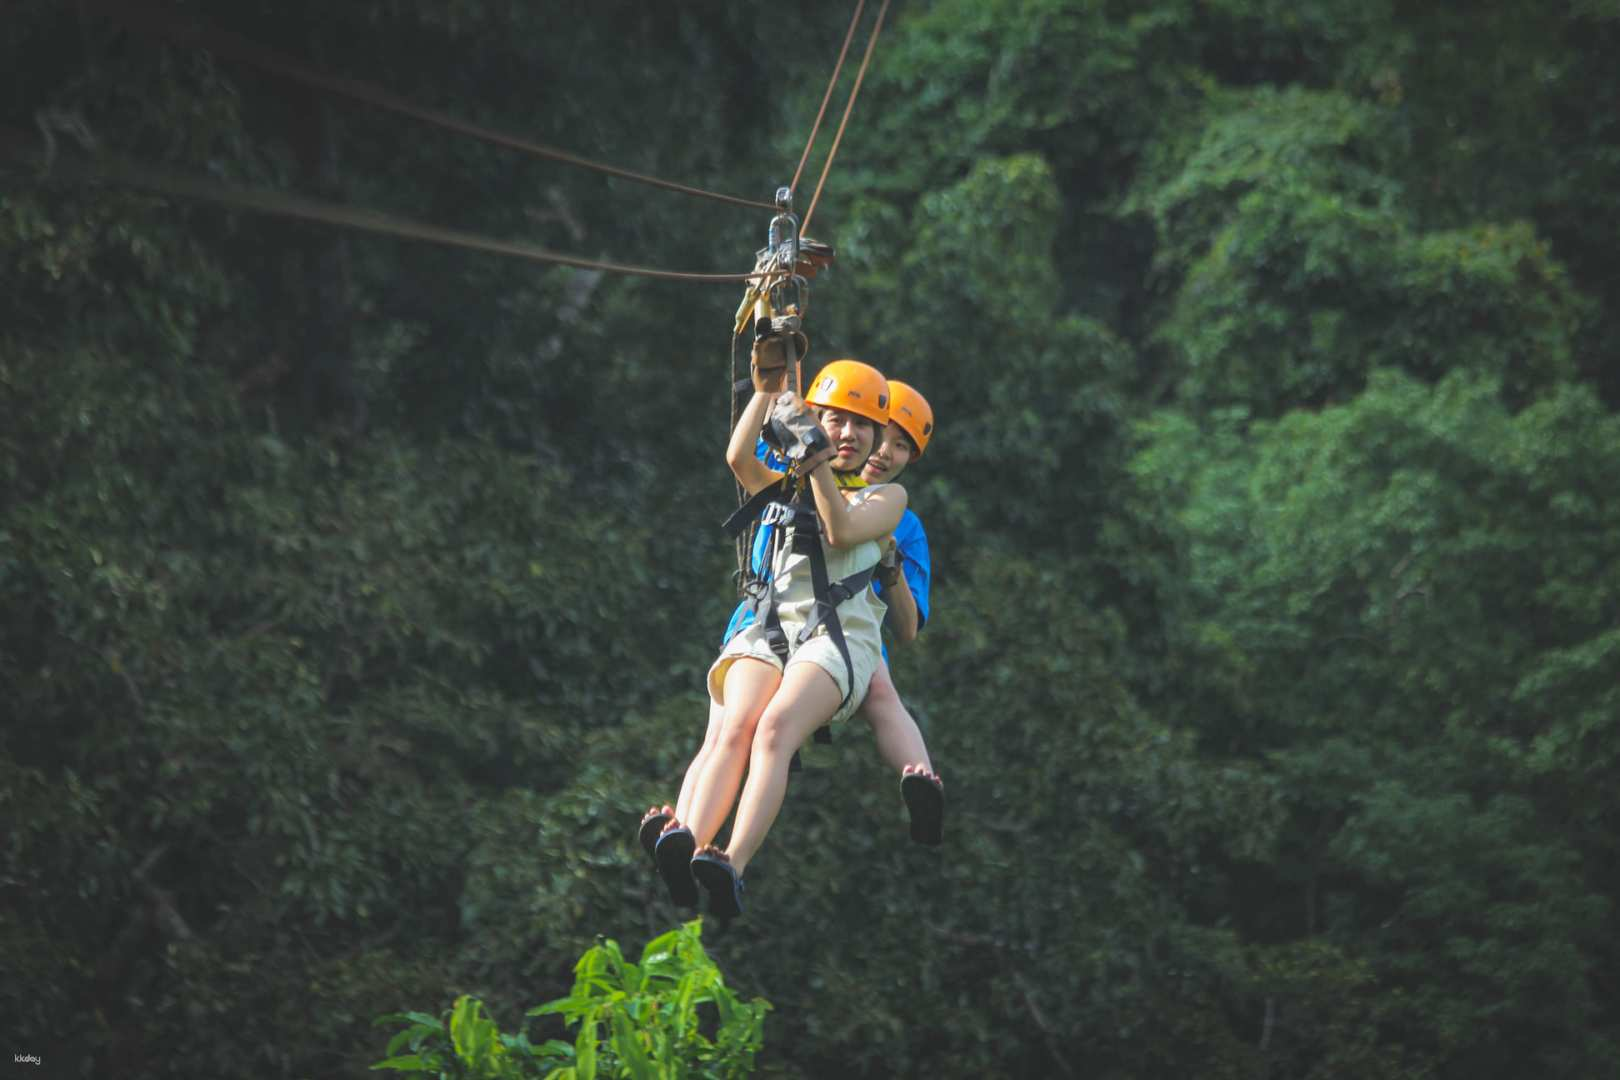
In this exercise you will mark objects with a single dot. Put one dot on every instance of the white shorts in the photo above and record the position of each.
(819, 650)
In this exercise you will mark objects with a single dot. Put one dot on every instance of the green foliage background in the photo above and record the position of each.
(355, 594)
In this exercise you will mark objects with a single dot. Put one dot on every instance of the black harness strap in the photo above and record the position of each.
(827, 595)
(762, 603)
(756, 503)
(761, 591)
(825, 613)
(798, 515)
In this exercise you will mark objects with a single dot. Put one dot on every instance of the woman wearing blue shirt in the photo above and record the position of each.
(903, 582)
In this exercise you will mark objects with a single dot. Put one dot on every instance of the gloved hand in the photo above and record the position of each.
(768, 367)
(792, 429)
(888, 567)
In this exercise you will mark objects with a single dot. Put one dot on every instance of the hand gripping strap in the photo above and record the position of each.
(794, 431)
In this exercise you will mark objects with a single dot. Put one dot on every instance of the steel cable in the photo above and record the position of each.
(105, 168)
(141, 18)
(849, 106)
(838, 68)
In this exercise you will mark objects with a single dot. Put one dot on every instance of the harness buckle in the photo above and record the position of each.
(778, 513)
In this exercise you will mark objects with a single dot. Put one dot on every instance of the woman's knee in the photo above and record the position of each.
(880, 690)
(711, 730)
(736, 733)
(750, 685)
(881, 698)
(806, 698)
(791, 718)
(776, 735)
(885, 713)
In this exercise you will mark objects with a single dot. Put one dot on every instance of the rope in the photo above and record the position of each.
(281, 204)
(838, 68)
(849, 106)
(141, 18)
(742, 542)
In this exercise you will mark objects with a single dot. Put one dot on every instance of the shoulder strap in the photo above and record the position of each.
(755, 503)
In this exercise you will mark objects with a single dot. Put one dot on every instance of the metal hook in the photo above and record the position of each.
(786, 245)
(790, 295)
(783, 235)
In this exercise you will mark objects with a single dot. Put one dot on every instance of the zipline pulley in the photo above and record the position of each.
(776, 303)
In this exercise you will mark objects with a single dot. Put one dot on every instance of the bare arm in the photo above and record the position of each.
(752, 473)
(844, 525)
(768, 368)
(902, 617)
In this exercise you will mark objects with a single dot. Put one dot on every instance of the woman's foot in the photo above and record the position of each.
(653, 823)
(713, 870)
(924, 793)
(673, 855)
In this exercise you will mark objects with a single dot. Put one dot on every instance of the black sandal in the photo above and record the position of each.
(652, 827)
(714, 872)
(673, 854)
(925, 800)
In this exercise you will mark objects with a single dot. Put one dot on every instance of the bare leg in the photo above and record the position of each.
(749, 686)
(806, 699)
(899, 740)
(717, 717)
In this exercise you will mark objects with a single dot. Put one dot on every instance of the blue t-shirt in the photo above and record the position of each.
(913, 543)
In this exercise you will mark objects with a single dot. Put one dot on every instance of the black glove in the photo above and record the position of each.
(792, 431)
(888, 567)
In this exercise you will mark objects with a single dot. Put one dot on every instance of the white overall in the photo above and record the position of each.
(861, 617)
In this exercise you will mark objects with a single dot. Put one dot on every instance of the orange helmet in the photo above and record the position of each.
(854, 387)
(912, 412)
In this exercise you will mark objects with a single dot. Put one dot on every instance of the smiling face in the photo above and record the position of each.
(891, 456)
(852, 436)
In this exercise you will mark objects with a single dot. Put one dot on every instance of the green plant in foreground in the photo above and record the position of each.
(635, 1020)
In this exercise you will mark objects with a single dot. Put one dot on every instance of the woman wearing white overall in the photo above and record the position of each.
(771, 707)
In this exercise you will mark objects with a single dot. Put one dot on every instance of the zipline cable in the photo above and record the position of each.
(281, 204)
(141, 18)
(849, 106)
(838, 68)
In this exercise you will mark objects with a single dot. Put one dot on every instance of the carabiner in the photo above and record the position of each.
(783, 236)
(790, 295)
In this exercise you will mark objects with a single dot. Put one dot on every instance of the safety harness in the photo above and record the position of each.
(788, 511)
